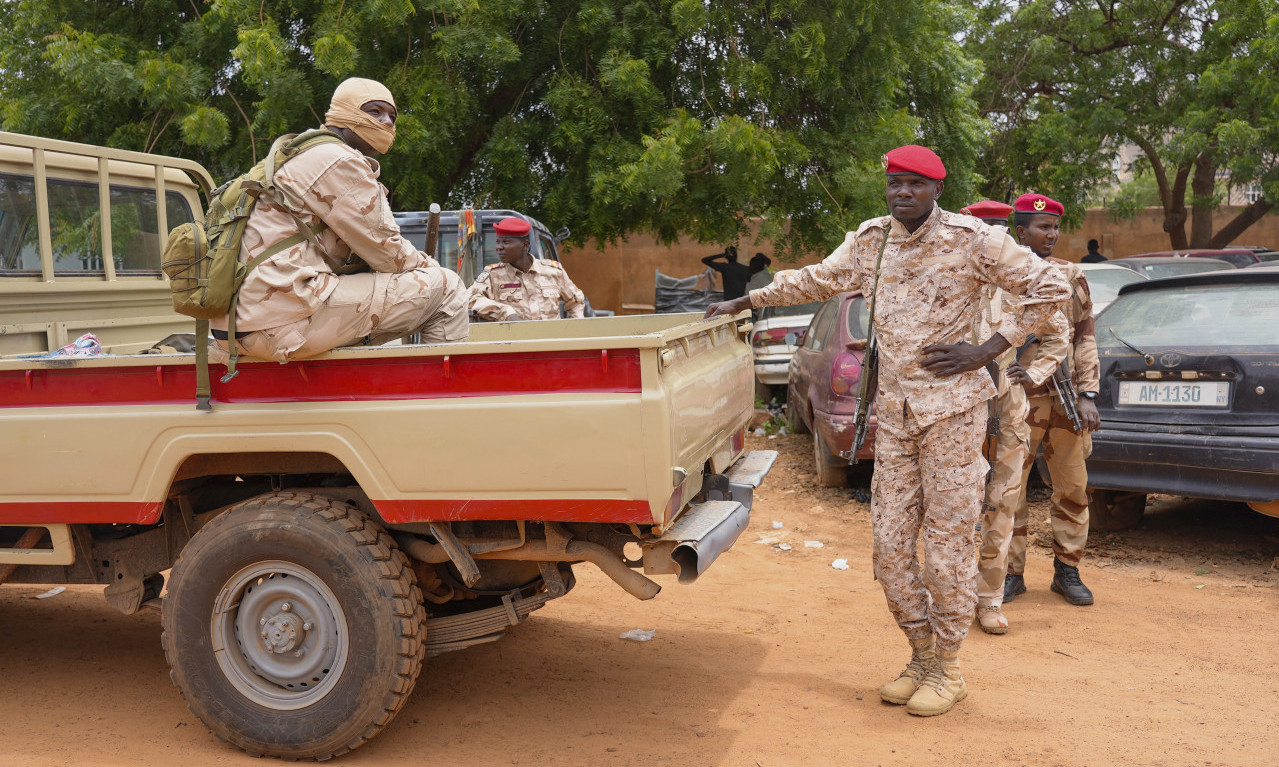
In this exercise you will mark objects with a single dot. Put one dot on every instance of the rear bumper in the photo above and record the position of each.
(772, 370)
(1226, 467)
(706, 530)
(837, 432)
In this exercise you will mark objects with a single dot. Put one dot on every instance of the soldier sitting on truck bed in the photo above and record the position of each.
(521, 287)
(303, 301)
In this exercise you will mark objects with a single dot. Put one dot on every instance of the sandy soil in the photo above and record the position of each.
(773, 658)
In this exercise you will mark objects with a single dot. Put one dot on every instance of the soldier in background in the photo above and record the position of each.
(925, 270)
(990, 211)
(1093, 256)
(1011, 445)
(1037, 219)
(522, 287)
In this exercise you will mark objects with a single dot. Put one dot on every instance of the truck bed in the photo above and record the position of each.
(597, 420)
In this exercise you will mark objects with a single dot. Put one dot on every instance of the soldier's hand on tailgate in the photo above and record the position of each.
(1088, 414)
(728, 307)
(950, 359)
(1018, 375)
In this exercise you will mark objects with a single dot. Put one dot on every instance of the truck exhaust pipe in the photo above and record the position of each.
(696, 540)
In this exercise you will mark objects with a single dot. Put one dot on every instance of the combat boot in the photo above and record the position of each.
(941, 689)
(991, 618)
(1013, 585)
(1066, 582)
(922, 660)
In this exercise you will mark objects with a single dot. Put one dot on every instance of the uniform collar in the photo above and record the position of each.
(898, 233)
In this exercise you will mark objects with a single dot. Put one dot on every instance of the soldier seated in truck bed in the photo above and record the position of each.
(302, 301)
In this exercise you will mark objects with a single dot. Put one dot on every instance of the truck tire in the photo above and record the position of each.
(828, 475)
(293, 626)
(1110, 510)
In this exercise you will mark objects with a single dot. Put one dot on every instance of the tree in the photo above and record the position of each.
(1192, 83)
(612, 116)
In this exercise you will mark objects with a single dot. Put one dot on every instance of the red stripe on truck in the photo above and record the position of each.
(394, 512)
(542, 510)
(340, 380)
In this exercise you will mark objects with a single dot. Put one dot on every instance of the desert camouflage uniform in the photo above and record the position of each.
(929, 470)
(1064, 450)
(1013, 442)
(296, 302)
(501, 290)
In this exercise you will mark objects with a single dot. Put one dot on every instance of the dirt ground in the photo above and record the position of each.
(772, 658)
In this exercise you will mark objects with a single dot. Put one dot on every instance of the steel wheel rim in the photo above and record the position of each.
(279, 635)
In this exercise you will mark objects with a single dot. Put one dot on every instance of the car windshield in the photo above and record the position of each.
(1195, 316)
(1175, 268)
(789, 311)
(1104, 284)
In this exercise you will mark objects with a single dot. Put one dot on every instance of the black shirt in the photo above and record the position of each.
(735, 276)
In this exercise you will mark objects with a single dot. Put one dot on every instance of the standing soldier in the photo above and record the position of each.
(522, 287)
(1037, 219)
(1011, 445)
(924, 269)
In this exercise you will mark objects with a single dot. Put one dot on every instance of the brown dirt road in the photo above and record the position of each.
(773, 658)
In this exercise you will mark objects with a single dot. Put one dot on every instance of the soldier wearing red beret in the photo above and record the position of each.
(521, 287)
(1037, 219)
(990, 211)
(924, 270)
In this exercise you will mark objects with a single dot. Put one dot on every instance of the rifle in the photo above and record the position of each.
(866, 388)
(1062, 387)
(432, 230)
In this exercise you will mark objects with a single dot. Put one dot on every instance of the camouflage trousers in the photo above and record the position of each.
(378, 306)
(1011, 448)
(1065, 452)
(928, 478)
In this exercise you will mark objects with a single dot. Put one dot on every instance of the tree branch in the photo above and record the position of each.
(1240, 223)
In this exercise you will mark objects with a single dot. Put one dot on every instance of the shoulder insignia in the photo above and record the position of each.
(551, 263)
(490, 267)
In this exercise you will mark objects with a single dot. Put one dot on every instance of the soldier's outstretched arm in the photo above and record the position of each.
(572, 296)
(482, 303)
(1042, 286)
(1054, 337)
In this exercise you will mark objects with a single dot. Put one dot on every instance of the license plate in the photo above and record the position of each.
(1180, 394)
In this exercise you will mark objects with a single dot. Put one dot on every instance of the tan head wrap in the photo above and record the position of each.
(344, 111)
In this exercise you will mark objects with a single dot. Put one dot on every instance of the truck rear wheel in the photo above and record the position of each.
(294, 626)
(831, 470)
(1110, 510)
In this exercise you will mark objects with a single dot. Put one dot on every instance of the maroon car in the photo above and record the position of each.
(822, 389)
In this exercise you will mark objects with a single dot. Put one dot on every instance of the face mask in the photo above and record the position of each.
(344, 112)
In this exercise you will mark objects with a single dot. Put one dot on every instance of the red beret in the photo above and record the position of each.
(988, 209)
(511, 227)
(913, 158)
(1038, 203)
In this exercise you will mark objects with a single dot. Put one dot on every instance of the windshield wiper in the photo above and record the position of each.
(1146, 356)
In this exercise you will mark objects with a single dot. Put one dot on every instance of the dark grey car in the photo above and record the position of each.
(1189, 397)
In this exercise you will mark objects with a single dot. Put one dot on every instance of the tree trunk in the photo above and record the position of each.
(1175, 209)
(1202, 203)
(1240, 223)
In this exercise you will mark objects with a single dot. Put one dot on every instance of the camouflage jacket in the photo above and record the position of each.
(1085, 365)
(930, 292)
(501, 290)
(338, 185)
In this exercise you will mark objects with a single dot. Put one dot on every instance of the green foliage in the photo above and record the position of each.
(1193, 83)
(609, 116)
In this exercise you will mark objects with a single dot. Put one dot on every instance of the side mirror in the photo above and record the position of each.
(562, 235)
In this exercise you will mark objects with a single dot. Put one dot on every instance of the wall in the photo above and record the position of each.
(620, 276)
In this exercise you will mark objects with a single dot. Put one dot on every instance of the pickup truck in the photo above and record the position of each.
(332, 522)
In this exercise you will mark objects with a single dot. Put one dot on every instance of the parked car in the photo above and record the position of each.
(778, 332)
(822, 390)
(1104, 282)
(1154, 267)
(1236, 257)
(1189, 398)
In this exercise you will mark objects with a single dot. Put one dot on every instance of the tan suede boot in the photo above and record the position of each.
(922, 661)
(990, 617)
(942, 688)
